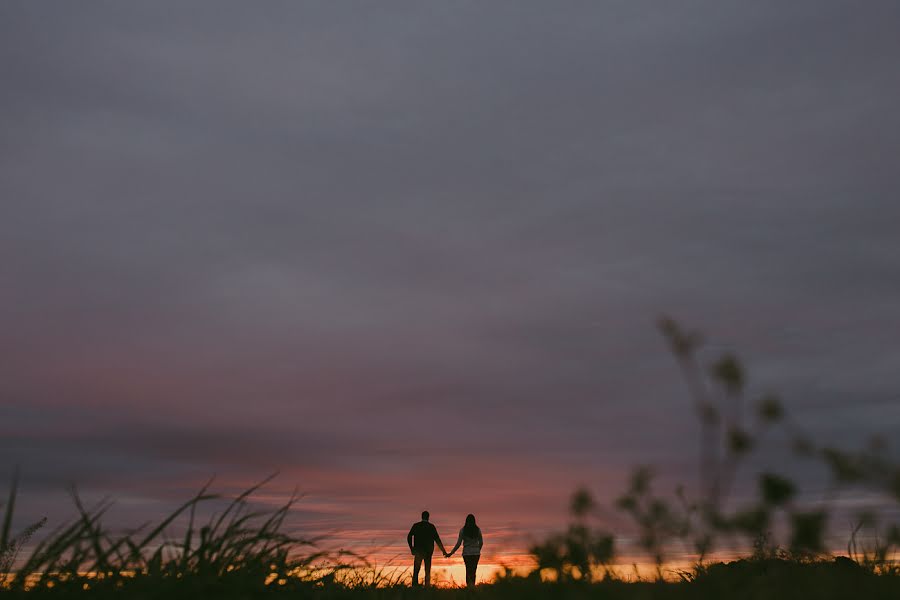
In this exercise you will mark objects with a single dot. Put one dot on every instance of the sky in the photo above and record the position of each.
(410, 254)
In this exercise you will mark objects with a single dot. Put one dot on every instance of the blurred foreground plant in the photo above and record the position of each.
(580, 552)
(733, 427)
(729, 437)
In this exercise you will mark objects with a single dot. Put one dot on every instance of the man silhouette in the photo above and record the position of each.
(421, 539)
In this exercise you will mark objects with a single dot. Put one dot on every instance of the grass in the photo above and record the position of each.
(237, 550)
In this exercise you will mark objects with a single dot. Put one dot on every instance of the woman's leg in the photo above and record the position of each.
(471, 567)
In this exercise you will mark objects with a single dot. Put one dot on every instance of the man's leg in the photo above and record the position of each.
(417, 564)
(427, 560)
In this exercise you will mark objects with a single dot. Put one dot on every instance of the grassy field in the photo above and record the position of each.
(744, 581)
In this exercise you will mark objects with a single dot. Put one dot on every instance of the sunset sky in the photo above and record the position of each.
(410, 254)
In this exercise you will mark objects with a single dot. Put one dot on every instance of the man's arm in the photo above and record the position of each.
(409, 538)
(437, 538)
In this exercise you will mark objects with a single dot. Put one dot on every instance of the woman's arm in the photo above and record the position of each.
(458, 542)
(480, 540)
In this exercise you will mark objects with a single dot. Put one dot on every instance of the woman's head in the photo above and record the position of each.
(470, 529)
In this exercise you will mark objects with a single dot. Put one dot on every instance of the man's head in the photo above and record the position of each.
(425, 515)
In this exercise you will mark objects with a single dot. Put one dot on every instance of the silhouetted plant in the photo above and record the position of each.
(580, 552)
(238, 548)
(658, 521)
(728, 438)
(10, 546)
(719, 398)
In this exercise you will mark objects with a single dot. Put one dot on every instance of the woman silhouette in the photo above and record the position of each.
(471, 540)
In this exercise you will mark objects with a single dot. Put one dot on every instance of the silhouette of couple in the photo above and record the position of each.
(423, 536)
